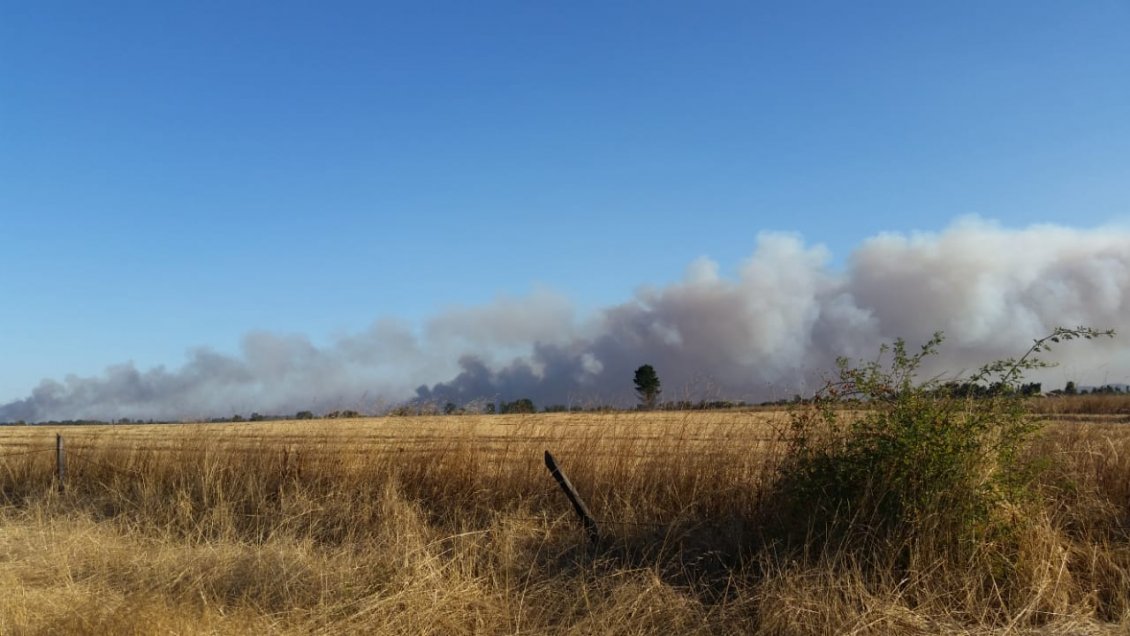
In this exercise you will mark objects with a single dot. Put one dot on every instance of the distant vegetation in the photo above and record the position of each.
(1110, 400)
(648, 388)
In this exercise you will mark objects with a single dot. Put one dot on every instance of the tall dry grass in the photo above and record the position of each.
(1090, 404)
(453, 526)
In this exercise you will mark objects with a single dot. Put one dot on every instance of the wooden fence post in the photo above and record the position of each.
(574, 498)
(60, 464)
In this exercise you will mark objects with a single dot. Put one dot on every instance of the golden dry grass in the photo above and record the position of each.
(452, 525)
(1090, 404)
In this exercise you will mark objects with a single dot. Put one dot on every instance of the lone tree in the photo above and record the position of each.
(647, 386)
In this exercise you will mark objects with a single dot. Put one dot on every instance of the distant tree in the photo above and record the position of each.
(490, 409)
(647, 386)
(256, 417)
(237, 418)
(524, 405)
(304, 415)
(1070, 388)
(450, 408)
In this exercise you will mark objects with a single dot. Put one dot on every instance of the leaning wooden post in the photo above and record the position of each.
(60, 464)
(574, 497)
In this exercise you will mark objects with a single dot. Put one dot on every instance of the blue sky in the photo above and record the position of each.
(178, 176)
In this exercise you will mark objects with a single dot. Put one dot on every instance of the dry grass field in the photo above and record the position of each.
(452, 525)
(1103, 404)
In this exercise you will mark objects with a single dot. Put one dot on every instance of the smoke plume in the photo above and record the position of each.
(770, 330)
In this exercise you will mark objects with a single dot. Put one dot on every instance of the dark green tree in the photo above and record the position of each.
(523, 405)
(647, 386)
(1070, 388)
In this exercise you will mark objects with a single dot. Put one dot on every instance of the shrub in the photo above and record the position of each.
(919, 465)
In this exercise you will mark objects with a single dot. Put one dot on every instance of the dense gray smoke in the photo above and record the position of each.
(770, 331)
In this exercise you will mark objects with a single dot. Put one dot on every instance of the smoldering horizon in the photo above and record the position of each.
(770, 331)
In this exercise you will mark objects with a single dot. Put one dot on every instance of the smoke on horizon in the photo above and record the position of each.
(770, 331)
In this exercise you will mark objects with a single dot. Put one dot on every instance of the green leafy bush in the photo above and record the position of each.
(914, 461)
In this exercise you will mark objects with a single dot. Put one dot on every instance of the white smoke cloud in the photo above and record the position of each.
(770, 331)
(543, 316)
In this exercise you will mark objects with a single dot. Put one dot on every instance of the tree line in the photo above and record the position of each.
(648, 388)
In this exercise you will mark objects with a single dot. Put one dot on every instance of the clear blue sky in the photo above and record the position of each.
(176, 176)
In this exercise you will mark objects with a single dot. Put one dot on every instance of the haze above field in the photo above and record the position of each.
(215, 208)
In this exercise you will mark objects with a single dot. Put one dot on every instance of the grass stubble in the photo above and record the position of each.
(451, 525)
